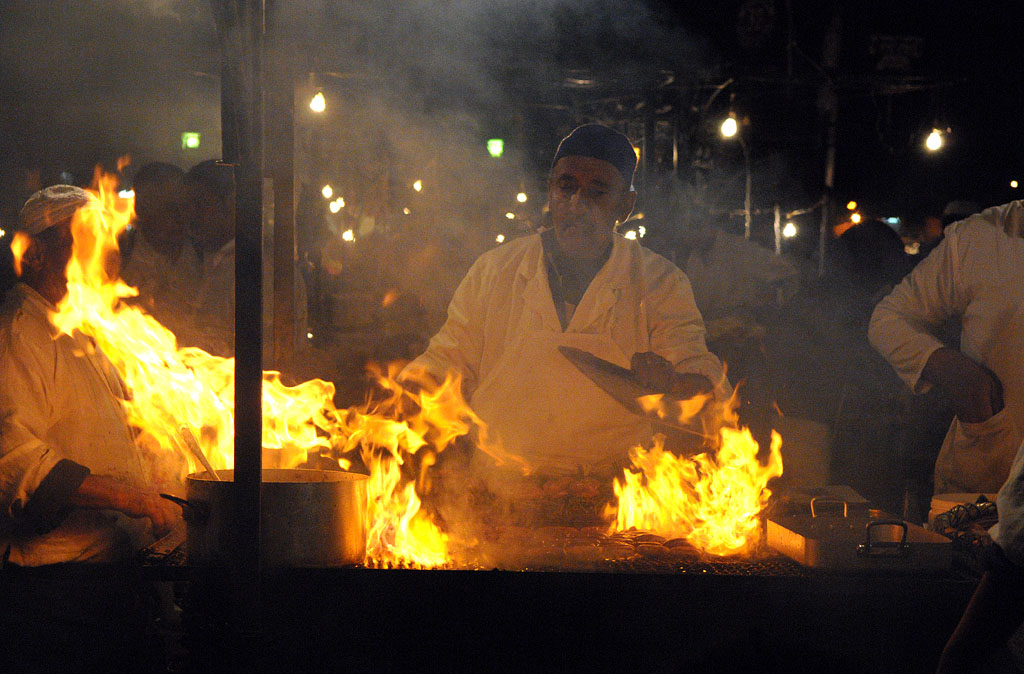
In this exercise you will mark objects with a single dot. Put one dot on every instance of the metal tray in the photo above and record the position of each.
(864, 541)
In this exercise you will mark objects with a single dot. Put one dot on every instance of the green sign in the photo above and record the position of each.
(189, 140)
(495, 147)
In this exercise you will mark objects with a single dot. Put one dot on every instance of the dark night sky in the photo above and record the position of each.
(95, 78)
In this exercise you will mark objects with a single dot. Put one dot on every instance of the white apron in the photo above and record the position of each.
(544, 409)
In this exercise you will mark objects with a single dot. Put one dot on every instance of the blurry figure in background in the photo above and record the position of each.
(210, 209)
(872, 260)
(974, 274)
(576, 284)
(737, 286)
(73, 491)
(161, 260)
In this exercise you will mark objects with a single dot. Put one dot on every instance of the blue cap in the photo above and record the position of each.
(600, 142)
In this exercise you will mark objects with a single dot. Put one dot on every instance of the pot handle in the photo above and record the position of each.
(881, 548)
(192, 512)
(817, 502)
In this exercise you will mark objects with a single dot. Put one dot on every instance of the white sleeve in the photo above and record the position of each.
(457, 348)
(25, 459)
(904, 323)
(1010, 506)
(676, 328)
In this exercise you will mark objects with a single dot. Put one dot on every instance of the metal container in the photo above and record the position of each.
(848, 541)
(308, 518)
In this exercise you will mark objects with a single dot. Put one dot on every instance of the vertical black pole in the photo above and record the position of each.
(240, 24)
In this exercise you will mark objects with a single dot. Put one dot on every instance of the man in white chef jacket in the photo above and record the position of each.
(973, 275)
(582, 285)
(73, 493)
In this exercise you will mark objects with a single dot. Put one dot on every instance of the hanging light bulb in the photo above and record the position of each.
(934, 141)
(319, 103)
(729, 126)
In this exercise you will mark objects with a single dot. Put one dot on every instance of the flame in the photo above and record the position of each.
(170, 387)
(418, 419)
(19, 244)
(712, 499)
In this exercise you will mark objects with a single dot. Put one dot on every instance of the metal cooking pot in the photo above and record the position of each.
(308, 518)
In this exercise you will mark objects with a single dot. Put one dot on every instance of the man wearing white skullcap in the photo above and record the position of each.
(577, 284)
(72, 486)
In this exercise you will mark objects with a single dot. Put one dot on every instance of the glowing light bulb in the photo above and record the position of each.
(418, 185)
(334, 206)
(851, 205)
(348, 235)
(1013, 184)
(729, 127)
(789, 230)
(934, 140)
(641, 230)
(406, 211)
(855, 218)
(521, 197)
(631, 235)
(319, 103)
(500, 238)
(327, 191)
(510, 216)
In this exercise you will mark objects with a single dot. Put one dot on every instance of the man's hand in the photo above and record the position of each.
(657, 374)
(975, 391)
(97, 491)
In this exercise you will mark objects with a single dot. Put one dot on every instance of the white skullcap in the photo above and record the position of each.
(54, 205)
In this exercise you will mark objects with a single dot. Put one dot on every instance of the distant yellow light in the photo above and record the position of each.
(638, 216)
(855, 218)
(631, 235)
(729, 127)
(934, 140)
(418, 185)
(521, 197)
(500, 238)
(334, 206)
(406, 211)
(510, 216)
(3, 233)
(319, 103)
(851, 205)
(348, 235)
(327, 191)
(789, 230)
(636, 150)
(641, 230)
(1013, 184)
(309, 335)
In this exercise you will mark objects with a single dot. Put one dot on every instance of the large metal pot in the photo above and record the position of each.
(308, 518)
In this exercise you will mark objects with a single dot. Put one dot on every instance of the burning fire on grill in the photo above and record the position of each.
(712, 500)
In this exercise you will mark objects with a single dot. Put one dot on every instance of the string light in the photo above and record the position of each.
(319, 103)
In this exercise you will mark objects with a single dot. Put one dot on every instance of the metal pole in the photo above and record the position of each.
(746, 198)
(778, 230)
(240, 26)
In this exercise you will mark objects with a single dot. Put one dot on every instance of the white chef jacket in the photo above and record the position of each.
(502, 334)
(976, 274)
(60, 399)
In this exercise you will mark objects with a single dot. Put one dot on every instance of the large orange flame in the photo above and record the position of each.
(173, 387)
(712, 499)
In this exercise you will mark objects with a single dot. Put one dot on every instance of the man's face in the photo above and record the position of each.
(586, 197)
(46, 262)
